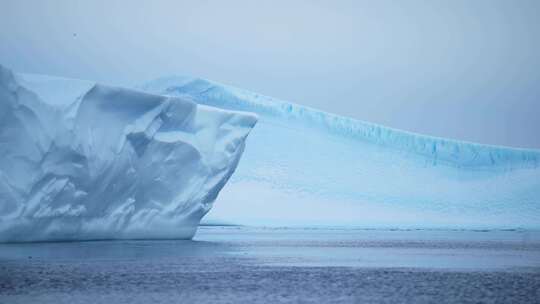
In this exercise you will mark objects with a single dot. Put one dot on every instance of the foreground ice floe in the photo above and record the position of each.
(81, 160)
(307, 167)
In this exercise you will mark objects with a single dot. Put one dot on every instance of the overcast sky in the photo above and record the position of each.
(462, 69)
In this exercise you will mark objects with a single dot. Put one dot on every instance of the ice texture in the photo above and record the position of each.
(308, 167)
(81, 160)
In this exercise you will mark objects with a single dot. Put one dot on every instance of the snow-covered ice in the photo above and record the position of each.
(307, 167)
(81, 160)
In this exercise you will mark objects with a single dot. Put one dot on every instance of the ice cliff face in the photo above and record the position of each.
(81, 160)
(308, 167)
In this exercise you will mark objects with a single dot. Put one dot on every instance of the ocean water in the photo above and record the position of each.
(280, 265)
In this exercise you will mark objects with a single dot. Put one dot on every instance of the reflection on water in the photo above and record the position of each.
(459, 250)
(113, 249)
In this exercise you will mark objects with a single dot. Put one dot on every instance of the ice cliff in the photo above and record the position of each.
(308, 167)
(80, 160)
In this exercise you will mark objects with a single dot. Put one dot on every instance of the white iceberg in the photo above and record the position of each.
(80, 160)
(308, 167)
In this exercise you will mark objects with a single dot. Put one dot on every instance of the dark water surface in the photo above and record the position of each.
(269, 265)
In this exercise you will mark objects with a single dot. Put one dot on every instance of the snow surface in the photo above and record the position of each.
(81, 160)
(307, 167)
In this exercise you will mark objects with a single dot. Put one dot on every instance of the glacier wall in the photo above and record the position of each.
(308, 167)
(80, 160)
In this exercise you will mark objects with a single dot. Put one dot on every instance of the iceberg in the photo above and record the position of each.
(307, 167)
(82, 161)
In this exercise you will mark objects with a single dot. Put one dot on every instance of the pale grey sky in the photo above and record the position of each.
(462, 69)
